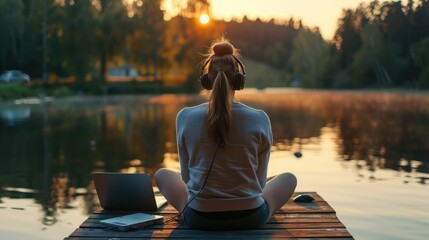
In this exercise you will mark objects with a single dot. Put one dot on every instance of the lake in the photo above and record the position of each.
(366, 153)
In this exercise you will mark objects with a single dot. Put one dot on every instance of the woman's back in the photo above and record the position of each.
(239, 171)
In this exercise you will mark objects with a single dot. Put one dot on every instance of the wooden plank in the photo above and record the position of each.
(304, 218)
(184, 233)
(306, 215)
(311, 207)
(92, 223)
(277, 215)
(277, 218)
(290, 207)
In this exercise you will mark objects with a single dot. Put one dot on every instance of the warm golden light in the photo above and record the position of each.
(204, 18)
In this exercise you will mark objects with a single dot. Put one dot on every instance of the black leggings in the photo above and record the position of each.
(229, 220)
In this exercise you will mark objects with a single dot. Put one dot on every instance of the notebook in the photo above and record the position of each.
(126, 191)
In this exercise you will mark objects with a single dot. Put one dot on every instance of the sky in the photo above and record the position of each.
(321, 13)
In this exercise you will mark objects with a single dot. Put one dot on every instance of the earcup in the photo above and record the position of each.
(239, 81)
(205, 82)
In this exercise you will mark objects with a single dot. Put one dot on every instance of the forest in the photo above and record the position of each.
(70, 45)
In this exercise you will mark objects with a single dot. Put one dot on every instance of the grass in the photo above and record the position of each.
(14, 91)
(260, 75)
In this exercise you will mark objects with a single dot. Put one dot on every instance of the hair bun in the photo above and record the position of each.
(223, 48)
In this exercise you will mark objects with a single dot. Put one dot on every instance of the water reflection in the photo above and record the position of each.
(53, 152)
(386, 130)
(15, 114)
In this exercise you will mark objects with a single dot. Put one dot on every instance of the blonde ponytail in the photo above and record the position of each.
(219, 109)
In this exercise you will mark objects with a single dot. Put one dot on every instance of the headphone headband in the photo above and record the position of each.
(238, 61)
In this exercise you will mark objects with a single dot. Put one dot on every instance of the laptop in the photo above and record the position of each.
(126, 191)
(133, 221)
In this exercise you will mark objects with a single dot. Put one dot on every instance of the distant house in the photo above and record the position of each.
(125, 73)
(125, 70)
(296, 82)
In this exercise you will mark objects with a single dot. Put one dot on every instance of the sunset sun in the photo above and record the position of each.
(204, 18)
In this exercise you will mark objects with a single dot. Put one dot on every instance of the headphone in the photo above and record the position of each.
(237, 81)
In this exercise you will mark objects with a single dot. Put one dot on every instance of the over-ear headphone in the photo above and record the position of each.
(237, 81)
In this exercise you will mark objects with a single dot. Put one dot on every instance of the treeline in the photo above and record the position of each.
(384, 43)
(377, 44)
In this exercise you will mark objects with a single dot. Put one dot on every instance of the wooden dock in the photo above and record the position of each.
(294, 220)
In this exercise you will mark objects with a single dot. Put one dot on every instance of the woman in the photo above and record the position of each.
(224, 149)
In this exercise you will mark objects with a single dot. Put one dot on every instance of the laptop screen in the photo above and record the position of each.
(124, 191)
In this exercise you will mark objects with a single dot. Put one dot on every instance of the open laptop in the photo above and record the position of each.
(125, 191)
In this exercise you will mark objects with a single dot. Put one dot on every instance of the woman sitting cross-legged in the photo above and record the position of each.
(224, 150)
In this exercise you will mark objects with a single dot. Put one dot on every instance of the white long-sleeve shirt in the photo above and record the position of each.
(240, 168)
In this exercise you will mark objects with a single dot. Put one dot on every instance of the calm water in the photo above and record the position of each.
(367, 154)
